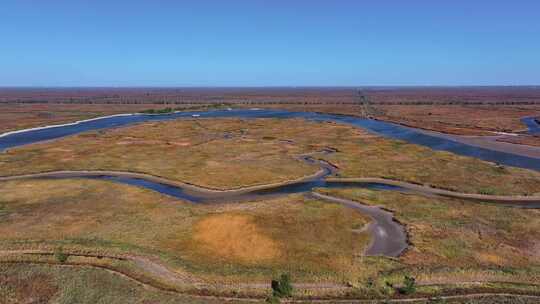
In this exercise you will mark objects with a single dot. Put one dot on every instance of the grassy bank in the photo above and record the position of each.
(202, 107)
(55, 284)
(21, 283)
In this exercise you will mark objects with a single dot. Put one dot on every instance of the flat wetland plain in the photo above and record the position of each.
(95, 241)
(234, 153)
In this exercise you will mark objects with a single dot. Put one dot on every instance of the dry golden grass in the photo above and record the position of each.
(203, 152)
(235, 237)
(310, 239)
(40, 284)
(449, 235)
(378, 157)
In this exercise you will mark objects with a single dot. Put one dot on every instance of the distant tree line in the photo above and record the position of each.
(266, 102)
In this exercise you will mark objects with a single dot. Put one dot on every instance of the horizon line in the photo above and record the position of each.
(273, 86)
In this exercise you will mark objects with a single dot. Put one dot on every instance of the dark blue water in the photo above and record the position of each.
(195, 196)
(200, 196)
(532, 125)
(169, 190)
(383, 128)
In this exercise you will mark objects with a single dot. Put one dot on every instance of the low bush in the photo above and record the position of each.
(60, 255)
(409, 286)
(282, 288)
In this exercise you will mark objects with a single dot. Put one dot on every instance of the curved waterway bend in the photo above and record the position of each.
(201, 195)
(19, 138)
(533, 124)
(388, 237)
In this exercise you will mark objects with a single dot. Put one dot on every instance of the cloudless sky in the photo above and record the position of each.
(269, 43)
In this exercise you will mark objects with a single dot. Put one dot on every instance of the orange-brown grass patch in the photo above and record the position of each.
(490, 258)
(235, 237)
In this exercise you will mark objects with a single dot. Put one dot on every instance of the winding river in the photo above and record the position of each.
(388, 237)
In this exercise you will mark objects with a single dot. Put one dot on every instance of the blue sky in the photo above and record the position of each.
(269, 43)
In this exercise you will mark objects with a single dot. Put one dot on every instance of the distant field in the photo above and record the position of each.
(23, 116)
(461, 120)
(463, 111)
(519, 95)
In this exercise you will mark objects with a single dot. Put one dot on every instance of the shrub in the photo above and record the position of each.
(282, 287)
(487, 191)
(60, 255)
(387, 288)
(370, 283)
(409, 286)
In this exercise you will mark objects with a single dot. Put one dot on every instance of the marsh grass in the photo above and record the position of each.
(230, 153)
(456, 240)
(452, 240)
(201, 152)
(377, 157)
(311, 240)
(52, 284)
